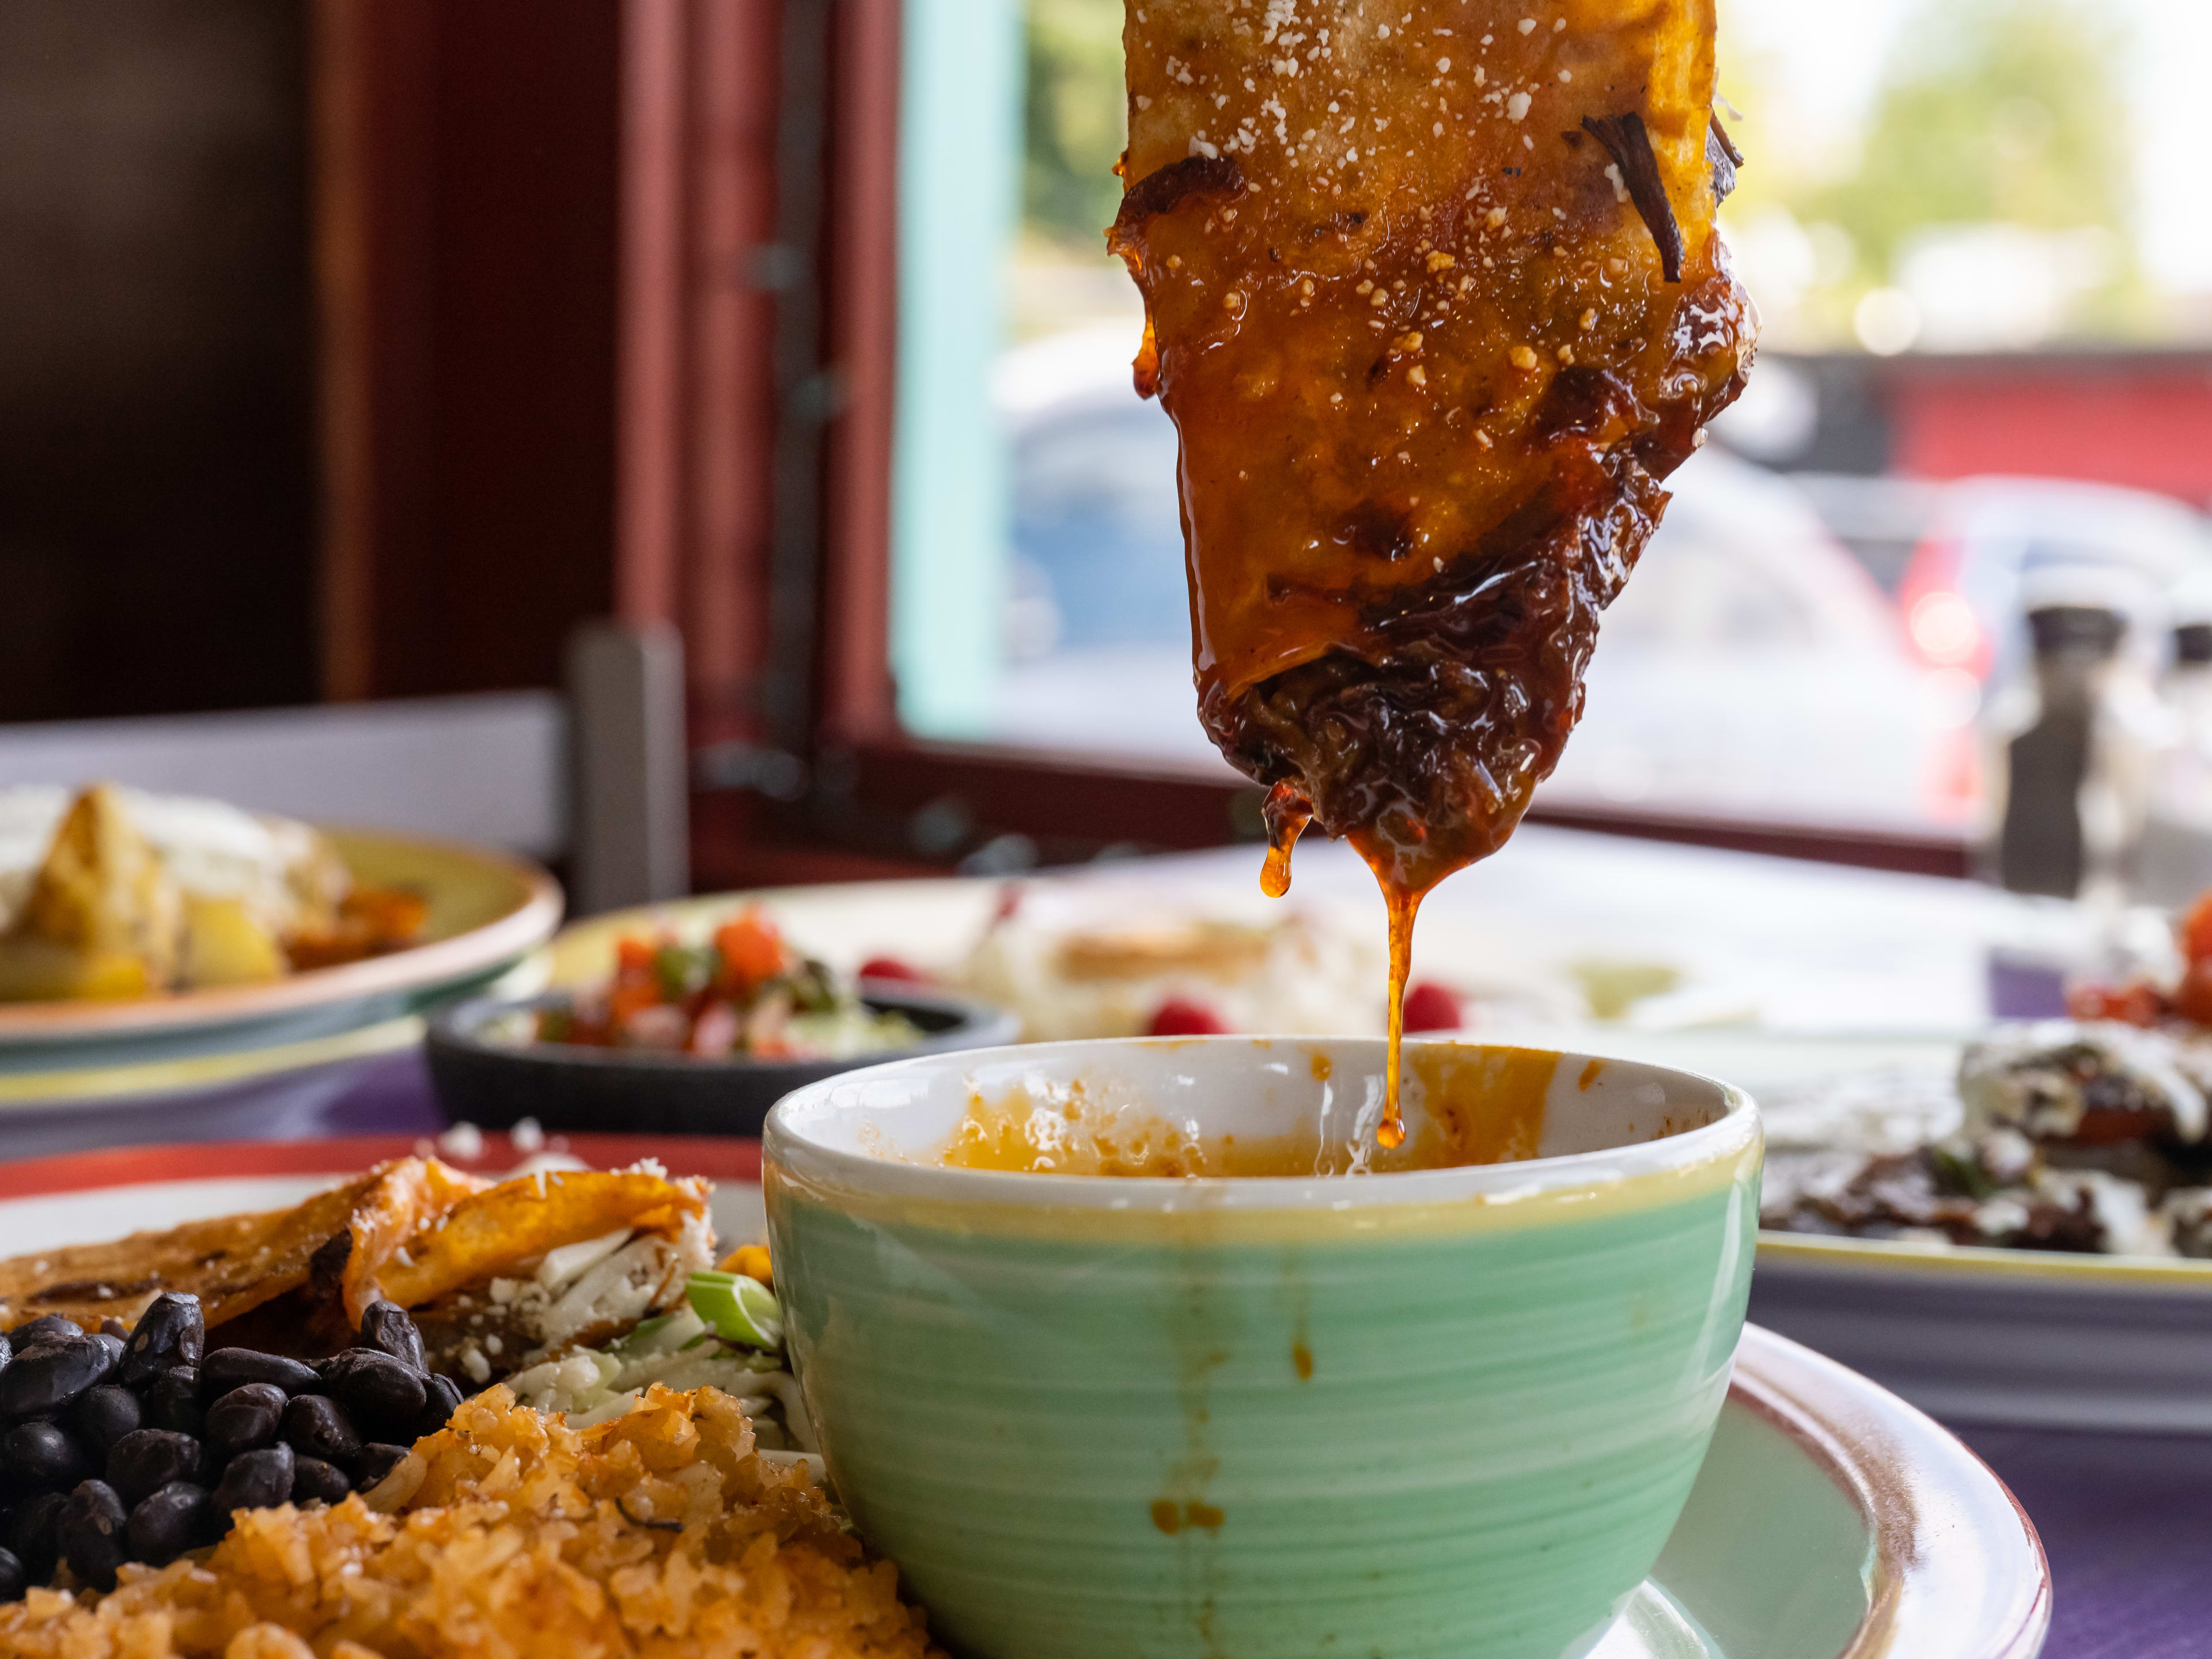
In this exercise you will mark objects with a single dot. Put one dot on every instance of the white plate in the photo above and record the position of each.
(1831, 1520)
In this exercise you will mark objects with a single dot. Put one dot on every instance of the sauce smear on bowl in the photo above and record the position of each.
(1480, 1105)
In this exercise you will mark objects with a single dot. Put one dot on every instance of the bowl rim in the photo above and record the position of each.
(1690, 1161)
(454, 1028)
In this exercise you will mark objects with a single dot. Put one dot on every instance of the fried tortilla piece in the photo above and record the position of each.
(525, 1270)
(1434, 295)
(236, 1265)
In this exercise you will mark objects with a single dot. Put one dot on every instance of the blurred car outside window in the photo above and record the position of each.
(1810, 648)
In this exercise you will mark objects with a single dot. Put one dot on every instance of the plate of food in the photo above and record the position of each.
(137, 926)
(1110, 953)
(708, 1015)
(2023, 1235)
(488, 1384)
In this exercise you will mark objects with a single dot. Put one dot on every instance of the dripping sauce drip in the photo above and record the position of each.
(1286, 814)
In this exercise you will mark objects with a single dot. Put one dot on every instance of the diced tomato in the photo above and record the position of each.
(892, 968)
(634, 955)
(629, 997)
(1182, 1017)
(1431, 1007)
(2138, 1003)
(2192, 997)
(2195, 933)
(751, 950)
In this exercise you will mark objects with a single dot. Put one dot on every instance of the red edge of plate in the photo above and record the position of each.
(1817, 1403)
(717, 1157)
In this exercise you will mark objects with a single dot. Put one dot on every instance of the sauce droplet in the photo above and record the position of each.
(1286, 813)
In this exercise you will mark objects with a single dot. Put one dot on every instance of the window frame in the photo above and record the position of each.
(872, 785)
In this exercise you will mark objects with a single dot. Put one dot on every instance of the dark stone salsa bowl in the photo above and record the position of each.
(494, 1082)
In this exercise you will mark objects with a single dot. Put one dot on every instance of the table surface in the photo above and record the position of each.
(1817, 950)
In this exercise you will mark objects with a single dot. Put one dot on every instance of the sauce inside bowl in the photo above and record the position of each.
(1469, 1105)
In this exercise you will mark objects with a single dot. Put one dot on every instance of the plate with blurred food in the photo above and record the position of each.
(1114, 954)
(2022, 1236)
(152, 920)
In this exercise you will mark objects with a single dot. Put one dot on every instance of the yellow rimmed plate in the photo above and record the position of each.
(486, 912)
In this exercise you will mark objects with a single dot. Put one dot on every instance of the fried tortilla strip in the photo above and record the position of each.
(414, 1194)
(234, 1264)
(504, 1229)
(1435, 297)
(537, 1265)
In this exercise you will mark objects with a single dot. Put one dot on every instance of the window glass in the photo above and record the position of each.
(1974, 230)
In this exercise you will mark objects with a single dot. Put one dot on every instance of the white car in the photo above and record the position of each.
(1751, 668)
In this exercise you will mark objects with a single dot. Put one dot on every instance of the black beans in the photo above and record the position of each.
(378, 1391)
(31, 1534)
(316, 1425)
(105, 1414)
(144, 1462)
(254, 1480)
(173, 1401)
(138, 1444)
(245, 1419)
(180, 1516)
(315, 1481)
(375, 1462)
(42, 1328)
(230, 1368)
(48, 1374)
(44, 1457)
(171, 1332)
(90, 1531)
(441, 1398)
(386, 1327)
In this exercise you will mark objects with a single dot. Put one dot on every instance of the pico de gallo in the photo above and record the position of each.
(743, 990)
(2147, 1003)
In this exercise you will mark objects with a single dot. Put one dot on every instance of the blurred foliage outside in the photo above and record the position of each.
(1990, 186)
(1074, 123)
(1999, 136)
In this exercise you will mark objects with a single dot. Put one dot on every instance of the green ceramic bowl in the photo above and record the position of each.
(1443, 1412)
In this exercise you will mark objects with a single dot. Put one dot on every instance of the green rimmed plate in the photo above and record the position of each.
(1832, 1521)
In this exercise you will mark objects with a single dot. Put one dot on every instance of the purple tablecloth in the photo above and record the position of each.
(2126, 1519)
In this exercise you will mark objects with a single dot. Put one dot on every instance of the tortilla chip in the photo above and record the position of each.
(493, 1232)
(234, 1264)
